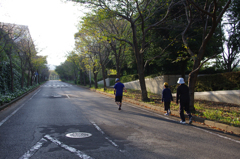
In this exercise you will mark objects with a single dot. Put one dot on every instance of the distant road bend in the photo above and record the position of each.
(61, 121)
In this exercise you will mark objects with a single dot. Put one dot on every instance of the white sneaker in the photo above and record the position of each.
(190, 120)
(166, 114)
(182, 122)
(169, 112)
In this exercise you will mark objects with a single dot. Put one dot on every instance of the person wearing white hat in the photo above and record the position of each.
(118, 91)
(183, 95)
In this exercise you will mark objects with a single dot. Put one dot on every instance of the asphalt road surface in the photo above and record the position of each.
(63, 121)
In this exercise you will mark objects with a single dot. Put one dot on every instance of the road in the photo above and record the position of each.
(63, 121)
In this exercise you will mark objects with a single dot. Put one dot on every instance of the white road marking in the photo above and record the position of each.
(57, 85)
(224, 137)
(99, 129)
(71, 149)
(4, 120)
(114, 144)
(67, 96)
(34, 149)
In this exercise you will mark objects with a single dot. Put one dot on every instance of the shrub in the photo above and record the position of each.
(7, 97)
(129, 78)
(222, 81)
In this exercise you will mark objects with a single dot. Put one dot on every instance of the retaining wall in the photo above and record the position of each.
(107, 81)
(155, 85)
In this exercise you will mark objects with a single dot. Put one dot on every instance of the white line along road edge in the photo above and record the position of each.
(4, 120)
(227, 138)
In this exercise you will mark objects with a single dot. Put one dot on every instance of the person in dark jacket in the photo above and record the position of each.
(167, 98)
(183, 95)
(118, 91)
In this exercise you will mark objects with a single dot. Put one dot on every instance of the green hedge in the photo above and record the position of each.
(129, 78)
(6, 98)
(221, 81)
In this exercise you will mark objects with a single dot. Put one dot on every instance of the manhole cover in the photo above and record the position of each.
(78, 135)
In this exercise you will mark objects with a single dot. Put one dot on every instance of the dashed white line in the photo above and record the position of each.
(114, 144)
(99, 129)
(4, 120)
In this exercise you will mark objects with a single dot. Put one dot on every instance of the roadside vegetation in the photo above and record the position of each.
(8, 97)
(21, 67)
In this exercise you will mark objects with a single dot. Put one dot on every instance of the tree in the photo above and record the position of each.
(231, 57)
(136, 13)
(105, 28)
(232, 25)
(73, 58)
(210, 13)
(10, 33)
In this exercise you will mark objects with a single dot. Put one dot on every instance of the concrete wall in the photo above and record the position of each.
(107, 81)
(231, 96)
(155, 85)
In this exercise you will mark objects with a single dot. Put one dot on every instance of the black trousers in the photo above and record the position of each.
(184, 106)
(167, 105)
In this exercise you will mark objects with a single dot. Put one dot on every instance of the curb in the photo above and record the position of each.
(18, 98)
(212, 124)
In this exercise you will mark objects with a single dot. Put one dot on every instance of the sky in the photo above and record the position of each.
(52, 24)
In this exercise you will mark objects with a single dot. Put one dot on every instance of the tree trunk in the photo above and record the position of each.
(139, 59)
(192, 79)
(104, 80)
(80, 78)
(95, 80)
(84, 78)
(95, 77)
(31, 78)
(22, 78)
(12, 75)
(28, 78)
(38, 77)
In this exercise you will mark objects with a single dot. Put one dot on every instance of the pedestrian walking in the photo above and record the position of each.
(167, 98)
(118, 91)
(183, 95)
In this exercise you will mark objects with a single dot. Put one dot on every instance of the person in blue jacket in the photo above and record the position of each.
(118, 91)
(167, 98)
